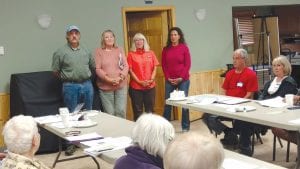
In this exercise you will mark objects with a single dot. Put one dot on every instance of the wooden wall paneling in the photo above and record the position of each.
(4, 112)
(200, 83)
(203, 83)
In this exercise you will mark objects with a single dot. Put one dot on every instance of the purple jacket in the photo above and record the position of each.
(137, 158)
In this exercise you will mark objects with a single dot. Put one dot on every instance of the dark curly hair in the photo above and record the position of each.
(180, 33)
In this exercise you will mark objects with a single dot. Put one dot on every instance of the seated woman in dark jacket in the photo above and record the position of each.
(151, 135)
(280, 85)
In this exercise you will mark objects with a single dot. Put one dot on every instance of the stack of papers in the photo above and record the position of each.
(201, 100)
(84, 137)
(230, 163)
(231, 100)
(55, 118)
(274, 102)
(97, 147)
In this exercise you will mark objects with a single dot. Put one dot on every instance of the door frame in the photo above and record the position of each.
(125, 10)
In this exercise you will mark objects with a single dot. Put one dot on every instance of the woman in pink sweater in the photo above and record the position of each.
(111, 70)
(176, 64)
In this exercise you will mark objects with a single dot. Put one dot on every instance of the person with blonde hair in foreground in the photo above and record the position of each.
(22, 139)
(151, 135)
(194, 151)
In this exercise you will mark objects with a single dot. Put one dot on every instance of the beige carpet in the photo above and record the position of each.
(262, 152)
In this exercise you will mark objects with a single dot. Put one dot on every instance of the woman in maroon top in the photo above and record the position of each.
(176, 64)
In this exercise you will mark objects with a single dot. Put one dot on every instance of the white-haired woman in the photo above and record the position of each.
(151, 135)
(142, 64)
(194, 151)
(22, 139)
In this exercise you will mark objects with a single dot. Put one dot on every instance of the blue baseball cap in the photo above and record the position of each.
(72, 27)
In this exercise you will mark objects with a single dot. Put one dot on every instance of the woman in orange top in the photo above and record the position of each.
(142, 64)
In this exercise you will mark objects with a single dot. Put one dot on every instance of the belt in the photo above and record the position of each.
(74, 81)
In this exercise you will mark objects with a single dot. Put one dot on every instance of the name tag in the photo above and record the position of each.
(239, 84)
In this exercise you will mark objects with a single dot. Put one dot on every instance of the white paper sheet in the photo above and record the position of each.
(230, 163)
(82, 137)
(106, 145)
(201, 100)
(274, 102)
(47, 119)
(296, 121)
(231, 100)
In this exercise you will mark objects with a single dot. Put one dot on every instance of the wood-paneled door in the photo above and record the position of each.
(154, 23)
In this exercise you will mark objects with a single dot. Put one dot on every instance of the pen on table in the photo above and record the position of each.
(104, 149)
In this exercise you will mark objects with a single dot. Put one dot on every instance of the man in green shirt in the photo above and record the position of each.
(73, 64)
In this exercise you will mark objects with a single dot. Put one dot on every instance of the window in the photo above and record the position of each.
(244, 30)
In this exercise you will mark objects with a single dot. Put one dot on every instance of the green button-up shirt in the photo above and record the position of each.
(73, 64)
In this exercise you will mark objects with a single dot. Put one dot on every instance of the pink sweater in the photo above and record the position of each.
(107, 64)
(176, 62)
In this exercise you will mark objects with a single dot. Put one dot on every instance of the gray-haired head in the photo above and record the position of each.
(242, 52)
(18, 134)
(194, 151)
(152, 133)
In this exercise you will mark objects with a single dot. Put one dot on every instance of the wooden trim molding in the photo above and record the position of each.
(4, 112)
(170, 9)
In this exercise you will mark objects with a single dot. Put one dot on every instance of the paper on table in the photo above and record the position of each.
(230, 163)
(84, 137)
(296, 121)
(231, 100)
(55, 118)
(106, 144)
(47, 119)
(201, 100)
(274, 102)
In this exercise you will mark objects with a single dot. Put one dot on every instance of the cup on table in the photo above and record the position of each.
(289, 99)
(65, 116)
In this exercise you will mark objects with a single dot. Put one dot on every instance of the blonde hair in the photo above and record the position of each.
(139, 36)
(194, 151)
(287, 68)
(152, 133)
(103, 37)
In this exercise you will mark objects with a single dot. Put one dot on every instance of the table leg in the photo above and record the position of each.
(72, 158)
(298, 151)
(59, 152)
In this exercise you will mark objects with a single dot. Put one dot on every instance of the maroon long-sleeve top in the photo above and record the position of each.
(176, 62)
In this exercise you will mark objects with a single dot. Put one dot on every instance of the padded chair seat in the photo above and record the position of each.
(290, 136)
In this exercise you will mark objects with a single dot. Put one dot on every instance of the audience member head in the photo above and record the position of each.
(108, 39)
(175, 37)
(152, 133)
(21, 135)
(282, 66)
(239, 57)
(73, 36)
(139, 42)
(194, 151)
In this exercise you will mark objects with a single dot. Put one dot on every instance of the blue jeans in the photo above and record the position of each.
(169, 88)
(75, 93)
(114, 102)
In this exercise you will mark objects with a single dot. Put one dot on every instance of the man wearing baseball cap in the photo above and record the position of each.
(73, 64)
